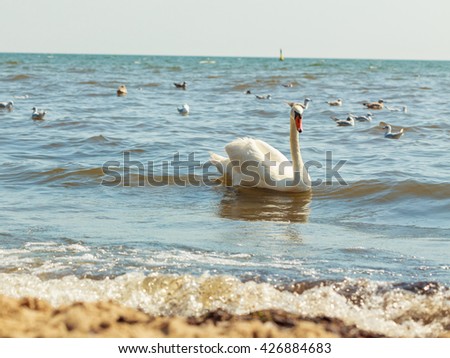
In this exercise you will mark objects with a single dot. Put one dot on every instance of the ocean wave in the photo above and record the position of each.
(12, 63)
(244, 199)
(241, 87)
(385, 191)
(174, 68)
(88, 83)
(97, 139)
(99, 94)
(309, 76)
(270, 82)
(319, 64)
(394, 310)
(151, 84)
(81, 70)
(19, 77)
(69, 177)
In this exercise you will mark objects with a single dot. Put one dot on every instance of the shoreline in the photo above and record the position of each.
(32, 318)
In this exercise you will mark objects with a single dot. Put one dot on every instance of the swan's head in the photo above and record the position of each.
(297, 115)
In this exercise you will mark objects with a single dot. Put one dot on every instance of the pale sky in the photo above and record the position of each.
(376, 29)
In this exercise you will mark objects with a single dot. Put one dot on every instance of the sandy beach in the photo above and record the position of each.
(31, 317)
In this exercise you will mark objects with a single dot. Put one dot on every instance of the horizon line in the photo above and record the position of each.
(220, 56)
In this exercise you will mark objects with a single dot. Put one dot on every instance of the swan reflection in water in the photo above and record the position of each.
(265, 205)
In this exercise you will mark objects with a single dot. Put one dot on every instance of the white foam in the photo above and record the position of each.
(393, 312)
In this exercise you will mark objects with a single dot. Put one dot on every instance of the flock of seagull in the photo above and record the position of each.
(379, 105)
(185, 110)
(35, 115)
(351, 118)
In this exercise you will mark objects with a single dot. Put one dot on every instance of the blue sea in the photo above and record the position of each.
(370, 245)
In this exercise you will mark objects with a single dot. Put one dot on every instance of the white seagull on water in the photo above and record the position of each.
(338, 102)
(389, 134)
(7, 105)
(366, 118)
(184, 110)
(349, 121)
(267, 96)
(404, 109)
(38, 115)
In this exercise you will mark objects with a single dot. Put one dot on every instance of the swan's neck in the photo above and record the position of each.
(297, 162)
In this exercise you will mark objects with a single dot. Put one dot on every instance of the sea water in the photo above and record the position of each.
(369, 245)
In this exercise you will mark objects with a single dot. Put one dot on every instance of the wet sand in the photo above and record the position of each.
(31, 317)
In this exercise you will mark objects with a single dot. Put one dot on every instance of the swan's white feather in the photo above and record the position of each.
(254, 163)
(248, 149)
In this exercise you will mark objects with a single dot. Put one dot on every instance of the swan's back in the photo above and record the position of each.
(261, 159)
(249, 149)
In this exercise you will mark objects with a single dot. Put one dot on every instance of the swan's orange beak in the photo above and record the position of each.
(298, 122)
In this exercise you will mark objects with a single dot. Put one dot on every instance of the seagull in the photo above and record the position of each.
(389, 134)
(338, 102)
(366, 118)
(350, 121)
(180, 85)
(37, 115)
(122, 91)
(304, 105)
(404, 109)
(374, 105)
(7, 105)
(288, 85)
(267, 96)
(184, 110)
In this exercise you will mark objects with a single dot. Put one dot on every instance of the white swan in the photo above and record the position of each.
(38, 115)
(389, 134)
(184, 110)
(254, 163)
